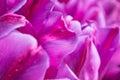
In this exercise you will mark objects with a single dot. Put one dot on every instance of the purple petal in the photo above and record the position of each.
(52, 19)
(34, 62)
(72, 67)
(3, 7)
(10, 22)
(19, 58)
(58, 42)
(36, 11)
(112, 11)
(14, 5)
(107, 43)
(112, 71)
(64, 71)
(11, 47)
(10, 6)
(84, 64)
(91, 66)
(64, 1)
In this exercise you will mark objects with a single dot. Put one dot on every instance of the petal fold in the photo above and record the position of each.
(10, 22)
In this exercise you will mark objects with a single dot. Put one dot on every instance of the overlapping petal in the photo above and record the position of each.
(83, 63)
(20, 58)
(61, 39)
(10, 6)
(58, 42)
(107, 44)
(112, 71)
(10, 22)
(37, 11)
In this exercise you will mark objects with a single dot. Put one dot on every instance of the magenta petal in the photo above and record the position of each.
(112, 11)
(20, 58)
(64, 1)
(10, 22)
(10, 6)
(27, 29)
(90, 69)
(14, 5)
(72, 62)
(37, 11)
(56, 50)
(58, 42)
(65, 72)
(107, 42)
(84, 62)
(23, 68)
(13, 46)
(112, 72)
(39, 14)
(78, 56)
(3, 7)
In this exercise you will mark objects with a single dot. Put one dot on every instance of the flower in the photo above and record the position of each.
(58, 39)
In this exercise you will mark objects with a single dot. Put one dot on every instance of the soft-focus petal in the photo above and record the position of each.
(3, 7)
(107, 42)
(90, 69)
(75, 35)
(112, 71)
(66, 72)
(84, 64)
(36, 11)
(112, 11)
(35, 62)
(11, 47)
(58, 42)
(10, 6)
(14, 5)
(10, 22)
(20, 59)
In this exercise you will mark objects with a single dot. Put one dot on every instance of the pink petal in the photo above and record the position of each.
(10, 6)
(84, 62)
(107, 42)
(19, 58)
(90, 69)
(3, 7)
(36, 11)
(64, 71)
(58, 42)
(14, 5)
(112, 11)
(112, 71)
(34, 62)
(10, 22)
(72, 67)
